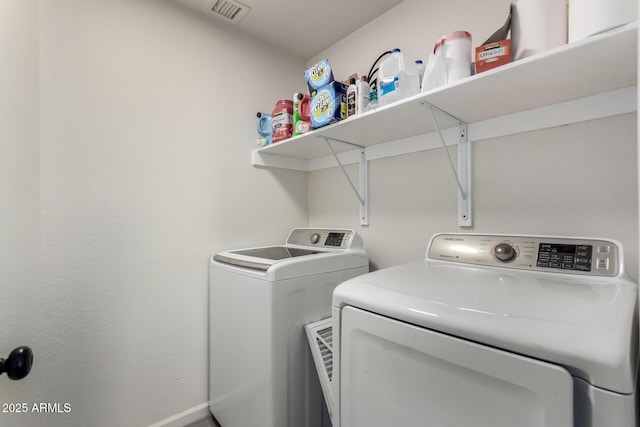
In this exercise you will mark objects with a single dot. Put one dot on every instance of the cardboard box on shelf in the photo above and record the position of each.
(493, 55)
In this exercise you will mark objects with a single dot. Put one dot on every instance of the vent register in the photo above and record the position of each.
(229, 11)
(320, 339)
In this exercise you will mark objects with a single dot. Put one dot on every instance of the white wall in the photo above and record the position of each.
(147, 122)
(19, 184)
(516, 189)
(413, 26)
(516, 179)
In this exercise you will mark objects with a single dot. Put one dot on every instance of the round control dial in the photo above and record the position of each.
(504, 252)
(315, 238)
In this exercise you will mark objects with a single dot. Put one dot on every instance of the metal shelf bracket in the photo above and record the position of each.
(362, 193)
(463, 172)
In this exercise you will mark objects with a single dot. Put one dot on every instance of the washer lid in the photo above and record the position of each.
(586, 324)
(261, 258)
(307, 251)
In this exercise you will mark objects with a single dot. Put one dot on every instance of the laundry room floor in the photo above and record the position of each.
(206, 422)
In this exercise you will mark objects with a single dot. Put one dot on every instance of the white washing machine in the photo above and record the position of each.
(261, 371)
(490, 330)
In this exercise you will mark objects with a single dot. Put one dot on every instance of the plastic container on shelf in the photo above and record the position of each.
(282, 120)
(421, 67)
(301, 114)
(352, 97)
(397, 79)
(450, 61)
(328, 104)
(263, 126)
(362, 104)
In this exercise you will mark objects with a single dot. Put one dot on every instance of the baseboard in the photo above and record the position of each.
(183, 418)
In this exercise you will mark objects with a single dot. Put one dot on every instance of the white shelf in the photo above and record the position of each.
(595, 65)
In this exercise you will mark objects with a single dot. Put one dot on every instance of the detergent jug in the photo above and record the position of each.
(264, 129)
(397, 79)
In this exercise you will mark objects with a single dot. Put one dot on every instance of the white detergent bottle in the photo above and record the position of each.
(397, 79)
(421, 67)
(364, 91)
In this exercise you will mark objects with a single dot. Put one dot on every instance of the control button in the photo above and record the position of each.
(603, 264)
(315, 238)
(604, 249)
(504, 252)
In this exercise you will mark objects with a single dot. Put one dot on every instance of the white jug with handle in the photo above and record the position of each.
(450, 60)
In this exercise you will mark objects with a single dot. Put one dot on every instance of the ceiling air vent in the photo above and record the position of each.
(230, 11)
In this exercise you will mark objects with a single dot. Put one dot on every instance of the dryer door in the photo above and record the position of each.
(397, 374)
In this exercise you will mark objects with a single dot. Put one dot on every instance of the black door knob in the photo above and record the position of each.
(18, 364)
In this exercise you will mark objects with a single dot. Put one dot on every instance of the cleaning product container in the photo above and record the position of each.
(319, 75)
(364, 90)
(352, 97)
(450, 60)
(282, 120)
(301, 115)
(588, 17)
(328, 104)
(397, 79)
(421, 67)
(264, 129)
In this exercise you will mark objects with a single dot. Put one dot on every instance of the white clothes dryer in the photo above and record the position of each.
(261, 370)
(490, 330)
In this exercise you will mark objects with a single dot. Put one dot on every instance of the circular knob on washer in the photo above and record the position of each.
(315, 238)
(504, 252)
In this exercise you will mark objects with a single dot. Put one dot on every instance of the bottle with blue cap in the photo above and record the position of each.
(421, 67)
(397, 79)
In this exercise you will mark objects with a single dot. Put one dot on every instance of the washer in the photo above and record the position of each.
(490, 330)
(261, 370)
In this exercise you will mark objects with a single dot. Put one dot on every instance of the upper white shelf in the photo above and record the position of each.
(598, 64)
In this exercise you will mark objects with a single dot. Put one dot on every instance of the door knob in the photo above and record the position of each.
(18, 364)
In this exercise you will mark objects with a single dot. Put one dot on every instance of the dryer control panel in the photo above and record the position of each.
(595, 257)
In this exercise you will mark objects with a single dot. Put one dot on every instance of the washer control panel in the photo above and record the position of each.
(557, 254)
(321, 238)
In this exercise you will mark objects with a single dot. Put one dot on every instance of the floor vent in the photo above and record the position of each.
(320, 338)
(230, 11)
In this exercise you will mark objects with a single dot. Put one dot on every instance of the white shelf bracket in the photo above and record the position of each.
(463, 172)
(362, 193)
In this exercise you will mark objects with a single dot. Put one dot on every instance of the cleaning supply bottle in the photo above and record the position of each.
(264, 129)
(352, 98)
(363, 89)
(421, 67)
(282, 120)
(397, 79)
(301, 119)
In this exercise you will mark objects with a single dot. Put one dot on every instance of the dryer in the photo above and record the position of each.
(490, 330)
(261, 371)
